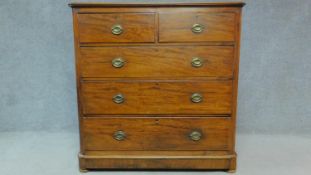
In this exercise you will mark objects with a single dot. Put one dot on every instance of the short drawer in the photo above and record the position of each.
(160, 61)
(196, 25)
(156, 97)
(156, 133)
(116, 27)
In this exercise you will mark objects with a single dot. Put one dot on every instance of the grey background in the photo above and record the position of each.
(37, 91)
(38, 110)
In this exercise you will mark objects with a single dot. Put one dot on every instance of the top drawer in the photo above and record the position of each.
(196, 25)
(116, 27)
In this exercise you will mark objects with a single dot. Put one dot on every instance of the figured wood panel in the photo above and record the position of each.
(163, 89)
(175, 25)
(205, 163)
(137, 27)
(170, 159)
(161, 61)
(159, 154)
(157, 97)
(156, 133)
(150, 163)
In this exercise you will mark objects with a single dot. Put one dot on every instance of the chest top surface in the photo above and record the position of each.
(88, 3)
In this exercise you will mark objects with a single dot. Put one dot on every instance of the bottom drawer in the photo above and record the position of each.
(141, 133)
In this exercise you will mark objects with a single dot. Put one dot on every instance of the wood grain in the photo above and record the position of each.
(137, 27)
(157, 82)
(78, 74)
(199, 160)
(155, 163)
(156, 133)
(100, 10)
(235, 90)
(156, 97)
(175, 25)
(158, 154)
(155, 62)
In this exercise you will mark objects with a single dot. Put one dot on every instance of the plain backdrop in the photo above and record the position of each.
(38, 107)
(37, 74)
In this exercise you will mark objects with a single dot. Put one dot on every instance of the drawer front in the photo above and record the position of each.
(157, 97)
(117, 27)
(174, 61)
(196, 25)
(156, 133)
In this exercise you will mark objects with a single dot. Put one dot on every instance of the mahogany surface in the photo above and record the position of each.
(172, 113)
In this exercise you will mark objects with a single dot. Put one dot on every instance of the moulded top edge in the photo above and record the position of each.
(106, 4)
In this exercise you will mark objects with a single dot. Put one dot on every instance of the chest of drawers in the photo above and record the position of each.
(157, 84)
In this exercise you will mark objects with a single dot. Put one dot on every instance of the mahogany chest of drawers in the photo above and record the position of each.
(157, 84)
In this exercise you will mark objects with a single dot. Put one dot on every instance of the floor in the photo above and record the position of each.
(42, 153)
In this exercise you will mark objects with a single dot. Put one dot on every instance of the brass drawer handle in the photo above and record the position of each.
(197, 28)
(117, 29)
(196, 98)
(119, 135)
(119, 98)
(196, 62)
(195, 135)
(118, 62)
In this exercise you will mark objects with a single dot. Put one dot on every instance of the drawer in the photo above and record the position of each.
(196, 25)
(156, 133)
(116, 27)
(156, 97)
(161, 61)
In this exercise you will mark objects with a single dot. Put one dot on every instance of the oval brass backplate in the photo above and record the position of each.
(195, 135)
(196, 98)
(117, 29)
(197, 62)
(119, 135)
(197, 28)
(118, 62)
(119, 98)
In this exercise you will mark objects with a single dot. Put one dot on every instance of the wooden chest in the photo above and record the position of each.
(157, 84)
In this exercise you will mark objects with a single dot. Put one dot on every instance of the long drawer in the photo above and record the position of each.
(156, 133)
(156, 97)
(157, 61)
